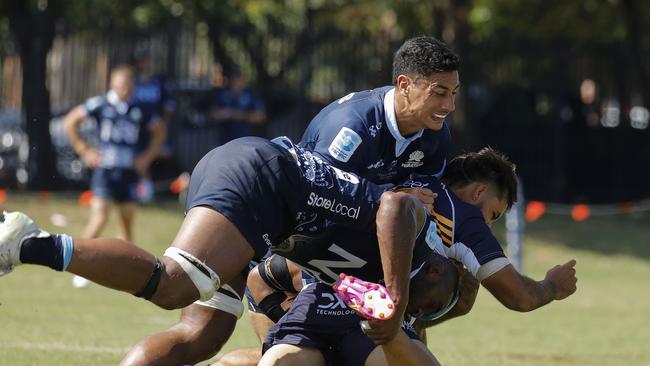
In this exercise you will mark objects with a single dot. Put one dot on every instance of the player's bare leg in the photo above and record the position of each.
(241, 357)
(402, 351)
(99, 209)
(248, 356)
(199, 335)
(210, 248)
(290, 355)
(126, 213)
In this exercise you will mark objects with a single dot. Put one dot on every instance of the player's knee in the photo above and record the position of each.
(173, 290)
(183, 280)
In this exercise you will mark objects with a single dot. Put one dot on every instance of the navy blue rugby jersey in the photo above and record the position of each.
(119, 125)
(324, 254)
(456, 229)
(358, 133)
(462, 230)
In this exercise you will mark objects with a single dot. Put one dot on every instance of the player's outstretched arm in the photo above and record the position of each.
(520, 293)
(399, 219)
(71, 123)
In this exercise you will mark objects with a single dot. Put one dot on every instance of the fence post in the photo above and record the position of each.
(515, 229)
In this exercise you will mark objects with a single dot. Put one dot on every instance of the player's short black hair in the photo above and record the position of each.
(423, 56)
(486, 166)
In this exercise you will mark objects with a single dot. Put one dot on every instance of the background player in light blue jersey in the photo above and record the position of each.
(117, 161)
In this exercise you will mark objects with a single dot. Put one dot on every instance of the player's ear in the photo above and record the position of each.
(402, 84)
(435, 266)
(479, 192)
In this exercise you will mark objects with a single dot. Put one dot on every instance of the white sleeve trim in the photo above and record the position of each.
(464, 254)
(491, 267)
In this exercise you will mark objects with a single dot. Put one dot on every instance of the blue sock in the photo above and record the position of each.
(54, 251)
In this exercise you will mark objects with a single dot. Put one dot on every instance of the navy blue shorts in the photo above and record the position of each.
(319, 319)
(118, 184)
(264, 189)
(247, 181)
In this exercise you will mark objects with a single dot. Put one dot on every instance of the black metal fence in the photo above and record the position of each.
(529, 110)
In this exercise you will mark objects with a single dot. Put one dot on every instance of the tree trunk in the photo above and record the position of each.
(34, 31)
(633, 44)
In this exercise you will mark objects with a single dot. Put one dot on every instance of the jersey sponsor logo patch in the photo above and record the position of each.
(415, 160)
(348, 177)
(331, 301)
(332, 305)
(315, 200)
(344, 144)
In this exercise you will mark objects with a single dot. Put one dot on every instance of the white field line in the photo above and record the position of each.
(74, 348)
(65, 347)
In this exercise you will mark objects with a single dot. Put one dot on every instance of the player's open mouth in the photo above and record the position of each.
(437, 115)
(438, 118)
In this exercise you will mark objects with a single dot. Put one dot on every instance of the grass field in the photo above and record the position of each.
(44, 321)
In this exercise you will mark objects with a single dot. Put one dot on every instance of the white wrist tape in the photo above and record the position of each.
(205, 279)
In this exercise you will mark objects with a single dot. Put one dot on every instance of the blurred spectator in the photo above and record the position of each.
(118, 161)
(236, 108)
(14, 149)
(154, 95)
(590, 109)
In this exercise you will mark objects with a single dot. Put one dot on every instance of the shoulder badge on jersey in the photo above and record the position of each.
(344, 144)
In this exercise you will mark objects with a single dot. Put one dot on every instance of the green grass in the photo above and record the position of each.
(44, 321)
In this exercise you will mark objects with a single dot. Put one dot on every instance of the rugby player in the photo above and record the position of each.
(244, 197)
(320, 329)
(383, 135)
(461, 219)
(119, 161)
(388, 133)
